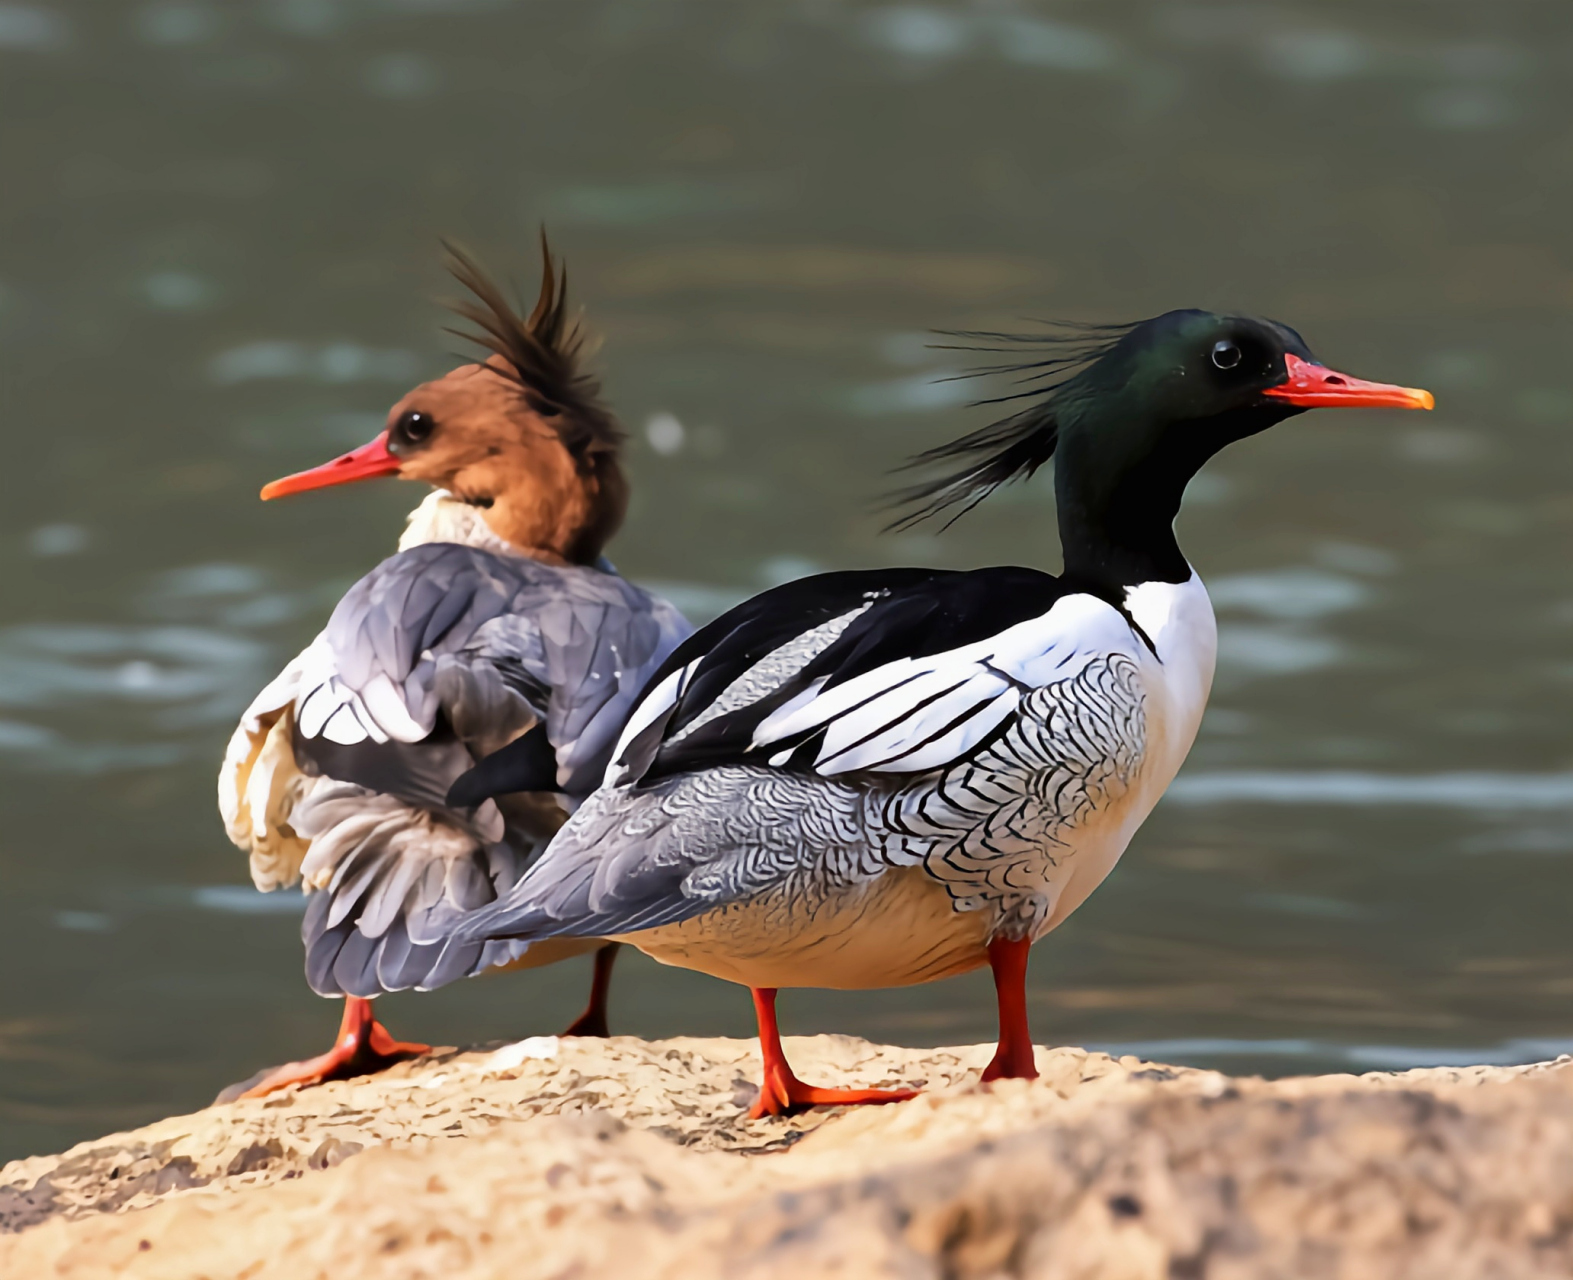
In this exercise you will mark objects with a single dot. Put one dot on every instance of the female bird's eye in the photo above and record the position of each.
(411, 430)
(1225, 354)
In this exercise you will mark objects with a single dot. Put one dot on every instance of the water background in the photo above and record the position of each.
(218, 230)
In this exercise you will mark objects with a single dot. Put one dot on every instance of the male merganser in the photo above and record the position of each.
(497, 623)
(884, 777)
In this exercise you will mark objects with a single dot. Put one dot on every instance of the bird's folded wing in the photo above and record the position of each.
(445, 653)
(896, 671)
(440, 655)
(745, 755)
(389, 884)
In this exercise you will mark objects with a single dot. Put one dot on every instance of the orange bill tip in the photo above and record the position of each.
(366, 463)
(1314, 386)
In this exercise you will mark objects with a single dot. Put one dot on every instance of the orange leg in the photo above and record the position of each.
(781, 1091)
(363, 1047)
(592, 1022)
(1013, 1059)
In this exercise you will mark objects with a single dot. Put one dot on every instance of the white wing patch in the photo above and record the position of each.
(328, 708)
(758, 681)
(918, 714)
(658, 703)
(774, 669)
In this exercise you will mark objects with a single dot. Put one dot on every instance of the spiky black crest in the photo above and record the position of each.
(542, 352)
(1050, 364)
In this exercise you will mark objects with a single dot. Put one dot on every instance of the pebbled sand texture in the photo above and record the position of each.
(586, 1159)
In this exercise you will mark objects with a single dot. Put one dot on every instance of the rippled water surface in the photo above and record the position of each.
(218, 226)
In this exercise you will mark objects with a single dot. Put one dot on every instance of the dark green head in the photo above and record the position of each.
(1132, 413)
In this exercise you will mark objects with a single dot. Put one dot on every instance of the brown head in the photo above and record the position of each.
(522, 435)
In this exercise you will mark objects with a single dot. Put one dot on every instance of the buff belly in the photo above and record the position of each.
(902, 927)
(896, 930)
(550, 951)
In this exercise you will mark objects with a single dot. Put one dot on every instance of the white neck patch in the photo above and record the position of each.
(1171, 612)
(443, 518)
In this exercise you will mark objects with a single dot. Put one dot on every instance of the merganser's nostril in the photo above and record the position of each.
(1333, 380)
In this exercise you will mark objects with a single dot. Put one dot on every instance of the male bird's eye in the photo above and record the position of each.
(412, 429)
(1225, 354)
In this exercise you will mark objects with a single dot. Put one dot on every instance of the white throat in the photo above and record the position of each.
(443, 518)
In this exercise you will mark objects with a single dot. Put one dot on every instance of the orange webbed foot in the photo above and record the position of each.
(364, 1047)
(783, 1093)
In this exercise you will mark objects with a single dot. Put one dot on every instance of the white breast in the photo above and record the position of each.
(1178, 619)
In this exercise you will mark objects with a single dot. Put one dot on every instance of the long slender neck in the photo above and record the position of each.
(1118, 492)
(1121, 535)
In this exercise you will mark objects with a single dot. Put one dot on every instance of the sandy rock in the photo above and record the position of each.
(635, 1159)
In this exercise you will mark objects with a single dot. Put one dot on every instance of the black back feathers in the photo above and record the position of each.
(906, 614)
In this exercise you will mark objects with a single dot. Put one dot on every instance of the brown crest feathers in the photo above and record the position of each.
(542, 353)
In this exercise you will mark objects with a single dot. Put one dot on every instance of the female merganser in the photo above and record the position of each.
(497, 623)
(885, 777)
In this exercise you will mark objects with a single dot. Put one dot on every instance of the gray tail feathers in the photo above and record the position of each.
(383, 925)
(621, 864)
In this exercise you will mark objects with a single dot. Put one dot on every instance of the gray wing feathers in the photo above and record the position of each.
(488, 645)
(632, 860)
(774, 669)
(408, 620)
(391, 883)
(598, 656)
(496, 643)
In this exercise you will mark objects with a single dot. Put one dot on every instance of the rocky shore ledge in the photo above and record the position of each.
(630, 1158)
